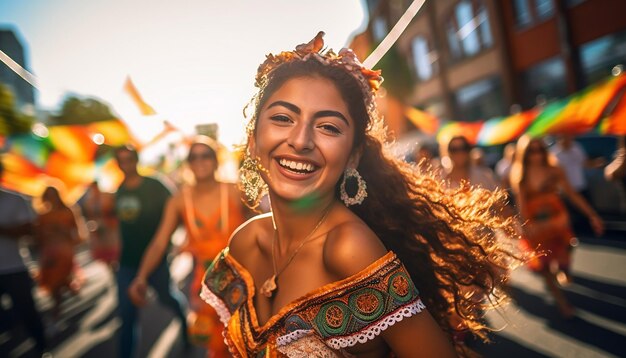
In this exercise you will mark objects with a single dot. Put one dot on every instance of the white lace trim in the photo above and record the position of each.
(373, 331)
(293, 336)
(215, 302)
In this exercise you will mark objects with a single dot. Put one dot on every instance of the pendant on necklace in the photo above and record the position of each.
(268, 287)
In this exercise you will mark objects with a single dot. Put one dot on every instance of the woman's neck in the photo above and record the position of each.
(295, 221)
(206, 184)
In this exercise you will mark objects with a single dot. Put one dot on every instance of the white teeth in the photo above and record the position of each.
(296, 165)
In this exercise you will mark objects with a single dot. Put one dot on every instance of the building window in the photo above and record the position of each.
(544, 9)
(480, 100)
(598, 57)
(468, 30)
(424, 58)
(546, 80)
(528, 12)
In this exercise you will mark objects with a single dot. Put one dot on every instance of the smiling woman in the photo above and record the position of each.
(353, 233)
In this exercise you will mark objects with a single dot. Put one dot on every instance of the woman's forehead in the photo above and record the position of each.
(309, 90)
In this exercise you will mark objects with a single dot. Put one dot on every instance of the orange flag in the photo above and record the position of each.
(132, 91)
(423, 120)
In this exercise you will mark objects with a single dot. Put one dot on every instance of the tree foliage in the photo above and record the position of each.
(12, 121)
(77, 110)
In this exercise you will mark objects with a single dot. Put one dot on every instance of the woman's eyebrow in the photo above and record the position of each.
(290, 106)
(329, 113)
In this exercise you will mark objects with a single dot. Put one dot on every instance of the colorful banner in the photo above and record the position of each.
(600, 108)
(580, 112)
(68, 154)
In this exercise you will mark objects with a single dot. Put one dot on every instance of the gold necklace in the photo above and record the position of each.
(269, 286)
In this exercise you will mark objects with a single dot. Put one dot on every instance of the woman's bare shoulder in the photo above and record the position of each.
(178, 197)
(246, 235)
(350, 247)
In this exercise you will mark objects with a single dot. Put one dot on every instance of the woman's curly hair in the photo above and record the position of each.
(451, 242)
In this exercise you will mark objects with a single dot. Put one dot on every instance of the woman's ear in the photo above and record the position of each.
(355, 157)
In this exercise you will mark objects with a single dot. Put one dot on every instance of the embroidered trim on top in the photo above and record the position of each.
(219, 306)
(374, 330)
(293, 336)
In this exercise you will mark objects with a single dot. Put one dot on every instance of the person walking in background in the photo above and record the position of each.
(139, 206)
(102, 223)
(57, 232)
(572, 158)
(458, 166)
(537, 182)
(461, 167)
(16, 221)
(211, 211)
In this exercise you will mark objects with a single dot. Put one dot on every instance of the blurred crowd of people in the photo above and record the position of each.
(548, 195)
(130, 230)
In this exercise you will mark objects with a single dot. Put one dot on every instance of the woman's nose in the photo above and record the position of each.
(301, 137)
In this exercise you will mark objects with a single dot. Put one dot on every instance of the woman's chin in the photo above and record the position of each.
(299, 198)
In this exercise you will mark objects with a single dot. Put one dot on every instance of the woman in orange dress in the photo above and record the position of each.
(537, 185)
(210, 211)
(57, 234)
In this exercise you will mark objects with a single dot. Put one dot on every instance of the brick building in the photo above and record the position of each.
(476, 59)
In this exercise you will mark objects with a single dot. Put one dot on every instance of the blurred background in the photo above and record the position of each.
(78, 78)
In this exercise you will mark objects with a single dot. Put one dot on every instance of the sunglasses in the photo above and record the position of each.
(200, 156)
(460, 149)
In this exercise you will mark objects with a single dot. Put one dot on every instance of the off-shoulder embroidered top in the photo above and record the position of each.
(319, 324)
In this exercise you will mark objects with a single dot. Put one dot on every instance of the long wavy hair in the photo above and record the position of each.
(520, 164)
(446, 239)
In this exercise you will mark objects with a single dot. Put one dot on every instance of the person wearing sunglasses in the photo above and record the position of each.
(210, 211)
(458, 167)
(537, 183)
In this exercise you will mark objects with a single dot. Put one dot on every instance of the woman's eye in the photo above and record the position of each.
(280, 118)
(330, 128)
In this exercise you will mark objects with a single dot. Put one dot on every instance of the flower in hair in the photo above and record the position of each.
(369, 80)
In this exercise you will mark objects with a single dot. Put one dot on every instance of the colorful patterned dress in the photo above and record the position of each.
(322, 323)
(207, 236)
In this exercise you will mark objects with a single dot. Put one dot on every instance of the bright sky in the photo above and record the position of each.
(194, 61)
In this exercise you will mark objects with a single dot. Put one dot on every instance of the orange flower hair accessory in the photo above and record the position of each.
(369, 80)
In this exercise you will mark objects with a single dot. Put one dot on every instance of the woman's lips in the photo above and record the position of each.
(296, 169)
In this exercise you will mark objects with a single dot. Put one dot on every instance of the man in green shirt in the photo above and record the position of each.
(139, 204)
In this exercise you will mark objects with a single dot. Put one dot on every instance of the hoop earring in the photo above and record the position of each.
(361, 193)
(251, 181)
